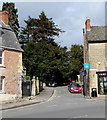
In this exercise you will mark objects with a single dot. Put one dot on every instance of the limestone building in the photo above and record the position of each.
(95, 53)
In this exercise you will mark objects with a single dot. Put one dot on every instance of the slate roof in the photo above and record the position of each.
(97, 33)
(8, 38)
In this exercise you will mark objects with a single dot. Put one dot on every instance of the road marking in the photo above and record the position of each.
(54, 95)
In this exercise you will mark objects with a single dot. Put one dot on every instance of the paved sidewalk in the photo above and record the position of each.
(45, 95)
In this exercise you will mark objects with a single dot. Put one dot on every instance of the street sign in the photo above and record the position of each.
(86, 66)
(84, 73)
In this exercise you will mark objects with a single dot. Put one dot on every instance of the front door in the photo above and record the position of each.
(103, 85)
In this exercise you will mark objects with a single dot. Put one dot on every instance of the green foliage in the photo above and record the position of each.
(27, 77)
(13, 16)
(52, 62)
(44, 58)
(40, 59)
(76, 58)
(40, 29)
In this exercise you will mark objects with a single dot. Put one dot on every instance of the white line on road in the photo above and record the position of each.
(53, 96)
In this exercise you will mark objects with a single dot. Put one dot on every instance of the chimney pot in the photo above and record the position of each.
(87, 24)
(4, 16)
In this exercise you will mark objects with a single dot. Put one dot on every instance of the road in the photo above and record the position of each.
(62, 105)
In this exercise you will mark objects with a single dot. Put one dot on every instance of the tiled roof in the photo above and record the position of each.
(8, 38)
(97, 33)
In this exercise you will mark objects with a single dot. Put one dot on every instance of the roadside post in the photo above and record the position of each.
(34, 86)
(37, 83)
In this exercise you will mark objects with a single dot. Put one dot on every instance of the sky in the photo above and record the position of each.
(70, 16)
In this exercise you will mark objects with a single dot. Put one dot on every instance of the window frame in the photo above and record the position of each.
(2, 84)
(2, 57)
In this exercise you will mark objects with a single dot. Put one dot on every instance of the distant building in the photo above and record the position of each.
(95, 53)
(10, 59)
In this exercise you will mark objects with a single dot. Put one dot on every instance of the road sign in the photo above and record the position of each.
(84, 73)
(86, 66)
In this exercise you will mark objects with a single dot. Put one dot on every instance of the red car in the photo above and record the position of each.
(74, 88)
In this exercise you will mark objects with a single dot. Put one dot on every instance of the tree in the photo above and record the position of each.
(40, 29)
(44, 58)
(41, 54)
(41, 60)
(76, 58)
(52, 62)
(13, 16)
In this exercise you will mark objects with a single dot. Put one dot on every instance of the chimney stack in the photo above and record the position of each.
(4, 16)
(87, 24)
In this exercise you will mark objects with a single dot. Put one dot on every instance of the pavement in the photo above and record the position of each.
(44, 96)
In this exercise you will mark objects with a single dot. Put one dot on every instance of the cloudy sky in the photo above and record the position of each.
(69, 16)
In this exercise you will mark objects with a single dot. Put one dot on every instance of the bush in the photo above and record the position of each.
(27, 77)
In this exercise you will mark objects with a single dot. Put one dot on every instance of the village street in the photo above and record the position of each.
(53, 44)
(61, 105)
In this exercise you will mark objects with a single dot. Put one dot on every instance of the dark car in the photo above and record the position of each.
(52, 84)
(65, 83)
(74, 88)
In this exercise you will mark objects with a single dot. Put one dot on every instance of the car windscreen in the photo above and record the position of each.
(74, 85)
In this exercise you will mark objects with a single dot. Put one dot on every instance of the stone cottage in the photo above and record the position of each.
(95, 53)
(10, 59)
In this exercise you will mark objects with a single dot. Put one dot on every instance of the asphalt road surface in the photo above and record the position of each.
(62, 105)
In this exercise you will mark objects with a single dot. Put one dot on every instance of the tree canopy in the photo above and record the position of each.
(76, 58)
(43, 57)
(39, 29)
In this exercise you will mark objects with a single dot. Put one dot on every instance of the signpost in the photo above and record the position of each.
(86, 66)
(84, 73)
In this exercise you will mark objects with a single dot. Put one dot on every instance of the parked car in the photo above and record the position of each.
(65, 83)
(52, 84)
(74, 88)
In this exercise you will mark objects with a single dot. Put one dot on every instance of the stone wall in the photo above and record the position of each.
(32, 87)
